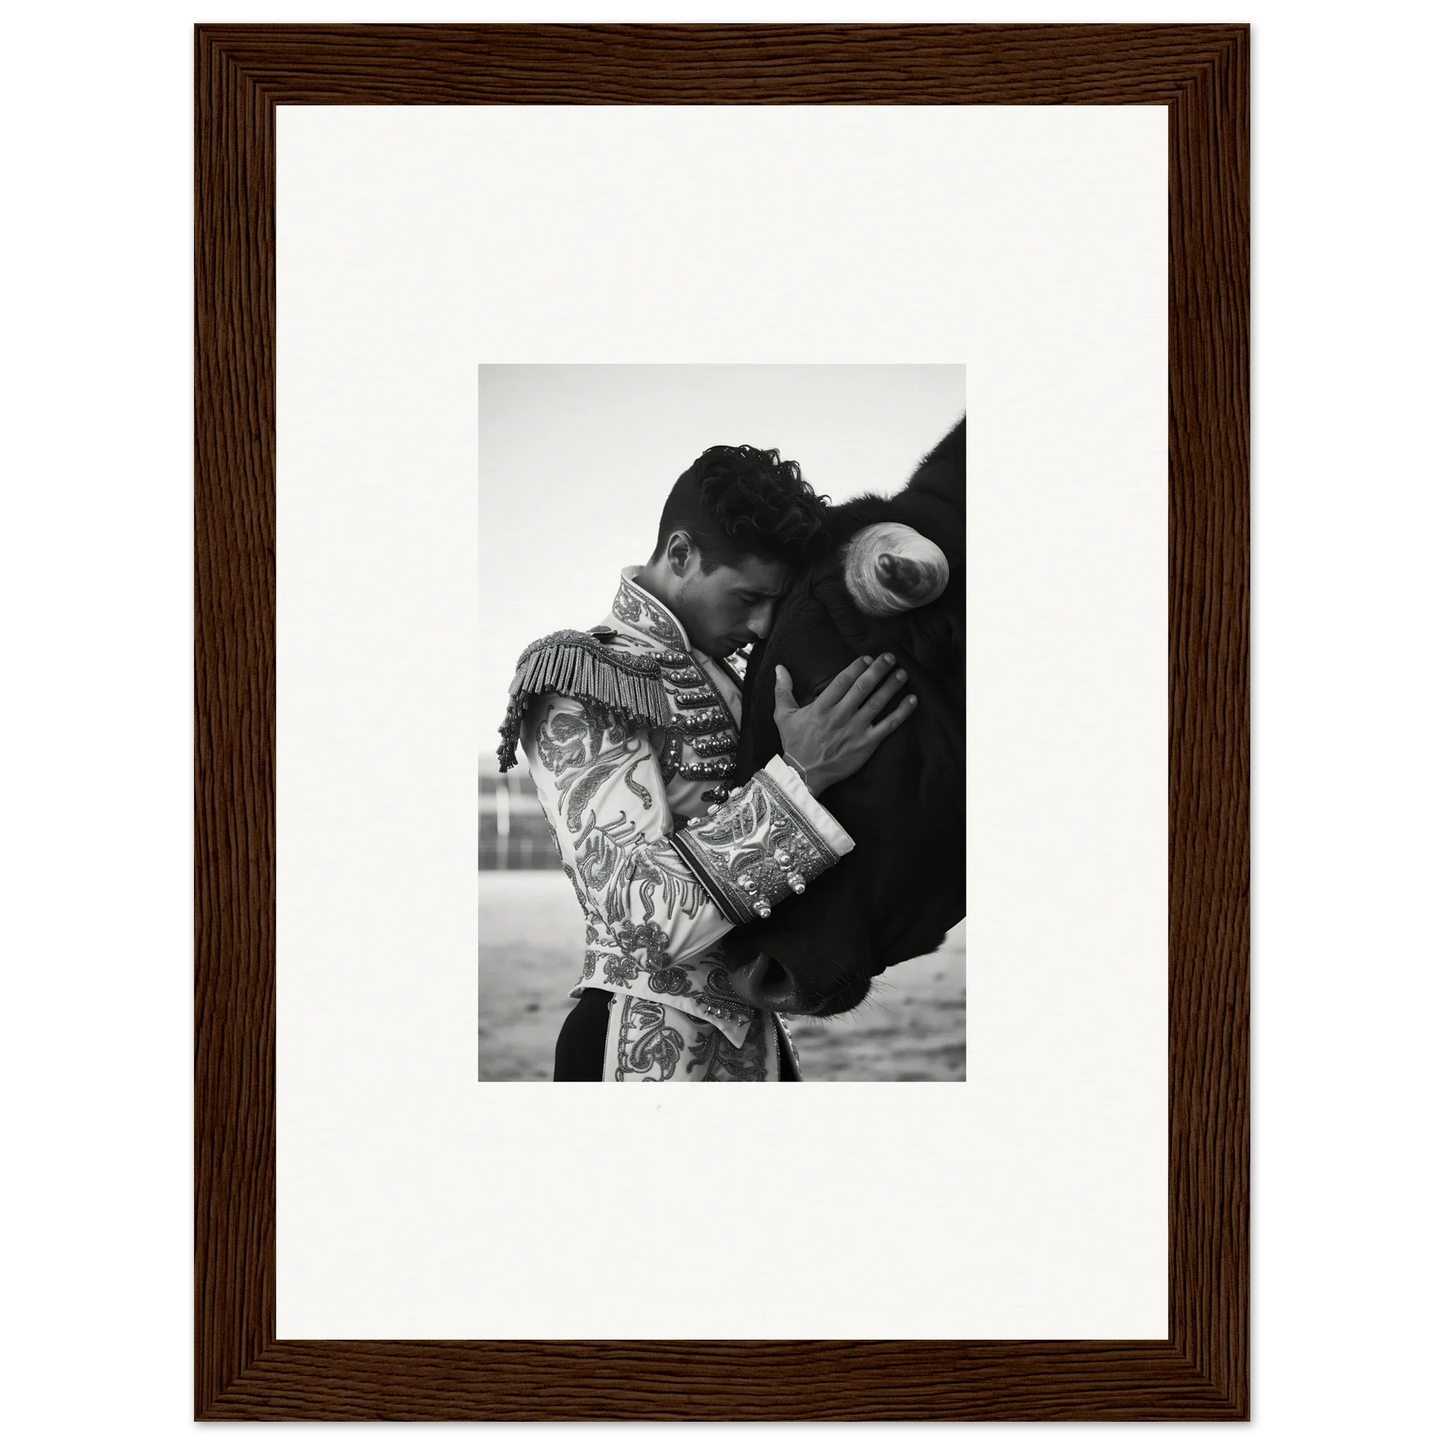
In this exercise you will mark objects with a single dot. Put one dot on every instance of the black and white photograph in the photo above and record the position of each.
(721, 782)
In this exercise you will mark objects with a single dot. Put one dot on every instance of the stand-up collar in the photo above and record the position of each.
(645, 616)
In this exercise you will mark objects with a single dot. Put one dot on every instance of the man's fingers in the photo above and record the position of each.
(835, 691)
(895, 719)
(887, 689)
(869, 679)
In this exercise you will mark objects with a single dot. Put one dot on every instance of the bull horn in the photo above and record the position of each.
(889, 568)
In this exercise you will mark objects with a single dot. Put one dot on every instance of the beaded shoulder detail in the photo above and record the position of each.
(580, 665)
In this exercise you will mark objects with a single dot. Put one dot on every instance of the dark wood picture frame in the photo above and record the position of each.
(242, 1371)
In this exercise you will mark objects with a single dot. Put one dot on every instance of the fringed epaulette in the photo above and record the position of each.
(579, 665)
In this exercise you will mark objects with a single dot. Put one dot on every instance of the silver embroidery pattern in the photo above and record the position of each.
(670, 754)
(582, 750)
(717, 998)
(617, 789)
(624, 881)
(717, 1061)
(571, 739)
(633, 604)
(633, 786)
(754, 851)
(688, 687)
(648, 1040)
(648, 1048)
(673, 981)
(609, 870)
(581, 792)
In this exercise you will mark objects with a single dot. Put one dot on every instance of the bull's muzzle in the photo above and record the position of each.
(765, 983)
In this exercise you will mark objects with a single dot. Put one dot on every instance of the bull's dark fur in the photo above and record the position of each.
(902, 888)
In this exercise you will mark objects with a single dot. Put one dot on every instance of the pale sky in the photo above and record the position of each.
(575, 462)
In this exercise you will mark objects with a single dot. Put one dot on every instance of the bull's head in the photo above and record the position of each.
(893, 582)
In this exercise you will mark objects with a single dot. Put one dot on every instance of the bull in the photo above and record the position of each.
(892, 581)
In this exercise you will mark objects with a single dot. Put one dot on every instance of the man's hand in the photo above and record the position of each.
(836, 733)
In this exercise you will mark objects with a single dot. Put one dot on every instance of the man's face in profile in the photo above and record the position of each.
(730, 606)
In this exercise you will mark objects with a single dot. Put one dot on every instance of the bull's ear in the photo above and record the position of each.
(889, 568)
(943, 472)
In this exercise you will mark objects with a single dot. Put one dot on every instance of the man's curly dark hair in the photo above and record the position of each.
(737, 502)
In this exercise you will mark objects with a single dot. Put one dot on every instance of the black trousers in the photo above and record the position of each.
(582, 1043)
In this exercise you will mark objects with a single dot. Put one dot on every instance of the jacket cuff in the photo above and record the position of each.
(767, 842)
(827, 826)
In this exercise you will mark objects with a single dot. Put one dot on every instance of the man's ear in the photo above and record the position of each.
(679, 550)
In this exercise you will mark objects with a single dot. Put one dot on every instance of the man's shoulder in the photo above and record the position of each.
(603, 645)
(594, 668)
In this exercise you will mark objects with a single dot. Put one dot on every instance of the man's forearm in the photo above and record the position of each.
(765, 843)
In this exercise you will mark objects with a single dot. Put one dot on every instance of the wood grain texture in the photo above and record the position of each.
(242, 73)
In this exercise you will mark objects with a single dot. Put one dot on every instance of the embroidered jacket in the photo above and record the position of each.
(631, 738)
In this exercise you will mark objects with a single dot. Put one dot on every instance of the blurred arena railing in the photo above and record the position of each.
(512, 834)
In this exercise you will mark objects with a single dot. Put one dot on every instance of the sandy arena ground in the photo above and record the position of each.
(910, 1028)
